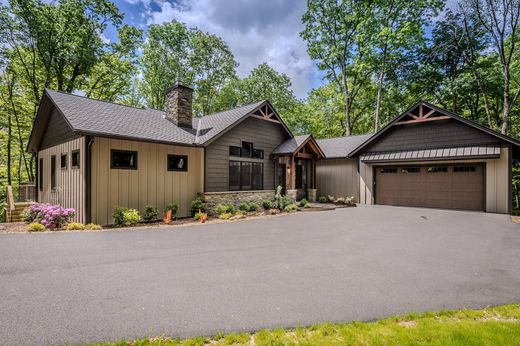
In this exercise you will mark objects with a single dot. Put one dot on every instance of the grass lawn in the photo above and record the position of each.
(492, 326)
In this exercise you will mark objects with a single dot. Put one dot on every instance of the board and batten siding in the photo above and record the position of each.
(70, 182)
(338, 178)
(263, 134)
(497, 178)
(57, 131)
(150, 184)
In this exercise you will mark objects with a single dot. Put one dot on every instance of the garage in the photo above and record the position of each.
(459, 186)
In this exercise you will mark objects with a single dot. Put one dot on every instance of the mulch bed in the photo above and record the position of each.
(21, 227)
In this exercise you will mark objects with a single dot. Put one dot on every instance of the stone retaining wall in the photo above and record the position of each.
(236, 198)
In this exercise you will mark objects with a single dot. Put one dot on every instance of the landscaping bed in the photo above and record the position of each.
(490, 326)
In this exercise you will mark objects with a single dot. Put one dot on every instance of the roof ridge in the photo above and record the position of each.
(104, 101)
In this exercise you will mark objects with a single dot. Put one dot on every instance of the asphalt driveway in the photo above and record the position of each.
(348, 264)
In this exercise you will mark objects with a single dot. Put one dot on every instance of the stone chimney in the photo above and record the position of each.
(178, 105)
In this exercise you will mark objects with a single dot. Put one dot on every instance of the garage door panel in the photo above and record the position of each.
(441, 186)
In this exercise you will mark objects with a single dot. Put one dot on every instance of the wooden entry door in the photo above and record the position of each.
(458, 186)
(281, 178)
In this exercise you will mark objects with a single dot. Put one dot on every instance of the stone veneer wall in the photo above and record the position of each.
(212, 199)
(178, 105)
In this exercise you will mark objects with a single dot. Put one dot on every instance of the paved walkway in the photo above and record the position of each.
(348, 264)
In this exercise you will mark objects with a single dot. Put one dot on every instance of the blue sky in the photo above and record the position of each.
(256, 30)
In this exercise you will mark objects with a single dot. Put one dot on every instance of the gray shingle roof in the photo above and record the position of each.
(290, 145)
(488, 151)
(102, 118)
(341, 146)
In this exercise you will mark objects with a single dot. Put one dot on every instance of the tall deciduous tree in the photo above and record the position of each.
(338, 38)
(500, 18)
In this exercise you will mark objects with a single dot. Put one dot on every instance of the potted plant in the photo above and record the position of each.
(170, 212)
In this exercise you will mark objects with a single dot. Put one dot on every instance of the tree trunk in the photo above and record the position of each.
(348, 129)
(9, 140)
(379, 96)
(507, 105)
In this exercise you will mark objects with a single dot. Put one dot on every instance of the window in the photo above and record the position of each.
(75, 159)
(63, 161)
(258, 176)
(247, 149)
(53, 172)
(40, 170)
(410, 170)
(437, 169)
(258, 154)
(388, 170)
(460, 169)
(122, 159)
(235, 151)
(246, 175)
(177, 163)
(234, 175)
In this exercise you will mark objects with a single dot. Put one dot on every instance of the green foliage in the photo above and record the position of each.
(174, 207)
(35, 227)
(225, 208)
(290, 208)
(197, 205)
(303, 203)
(280, 201)
(267, 204)
(93, 227)
(150, 213)
(244, 207)
(75, 226)
(125, 217)
(225, 216)
(200, 215)
(253, 207)
(323, 199)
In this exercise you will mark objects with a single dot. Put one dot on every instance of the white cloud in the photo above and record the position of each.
(256, 31)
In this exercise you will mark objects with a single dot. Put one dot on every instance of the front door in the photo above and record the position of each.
(282, 178)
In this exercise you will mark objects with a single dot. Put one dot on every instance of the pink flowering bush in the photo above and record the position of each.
(53, 217)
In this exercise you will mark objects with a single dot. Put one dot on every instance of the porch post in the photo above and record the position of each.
(311, 191)
(291, 191)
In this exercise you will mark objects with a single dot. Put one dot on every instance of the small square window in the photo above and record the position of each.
(258, 154)
(235, 151)
(247, 149)
(75, 159)
(122, 159)
(462, 169)
(410, 170)
(63, 161)
(177, 163)
(388, 170)
(441, 169)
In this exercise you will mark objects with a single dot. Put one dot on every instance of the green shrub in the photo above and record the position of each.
(199, 215)
(244, 207)
(125, 217)
(280, 201)
(290, 208)
(35, 227)
(323, 199)
(92, 227)
(174, 207)
(239, 215)
(75, 226)
(225, 216)
(225, 208)
(303, 203)
(197, 205)
(150, 213)
(253, 207)
(267, 204)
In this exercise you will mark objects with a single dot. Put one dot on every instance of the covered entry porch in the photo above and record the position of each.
(295, 167)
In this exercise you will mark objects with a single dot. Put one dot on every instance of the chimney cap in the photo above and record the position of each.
(178, 86)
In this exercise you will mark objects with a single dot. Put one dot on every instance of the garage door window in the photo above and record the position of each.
(437, 169)
(463, 169)
(410, 170)
(388, 170)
